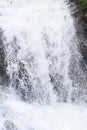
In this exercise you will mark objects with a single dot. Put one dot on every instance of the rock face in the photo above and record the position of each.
(79, 61)
(80, 8)
(80, 15)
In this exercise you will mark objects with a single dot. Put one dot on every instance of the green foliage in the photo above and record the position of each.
(83, 3)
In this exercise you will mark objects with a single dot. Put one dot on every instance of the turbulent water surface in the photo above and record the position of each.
(40, 66)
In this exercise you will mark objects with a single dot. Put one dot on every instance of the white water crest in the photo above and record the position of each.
(39, 41)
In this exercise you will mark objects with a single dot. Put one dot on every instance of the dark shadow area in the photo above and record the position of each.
(4, 78)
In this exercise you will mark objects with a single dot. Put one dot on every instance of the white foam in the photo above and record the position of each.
(36, 117)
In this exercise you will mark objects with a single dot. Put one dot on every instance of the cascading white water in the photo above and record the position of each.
(34, 39)
(38, 37)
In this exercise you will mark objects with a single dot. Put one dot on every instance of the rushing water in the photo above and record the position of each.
(38, 36)
(39, 67)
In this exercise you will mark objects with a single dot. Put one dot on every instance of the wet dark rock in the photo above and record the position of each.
(83, 51)
(81, 14)
(80, 18)
(4, 78)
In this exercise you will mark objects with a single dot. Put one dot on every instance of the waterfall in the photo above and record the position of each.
(40, 64)
(37, 51)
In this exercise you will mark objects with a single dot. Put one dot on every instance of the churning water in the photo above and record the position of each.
(39, 67)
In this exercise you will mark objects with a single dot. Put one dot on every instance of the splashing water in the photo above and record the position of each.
(37, 38)
(37, 51)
